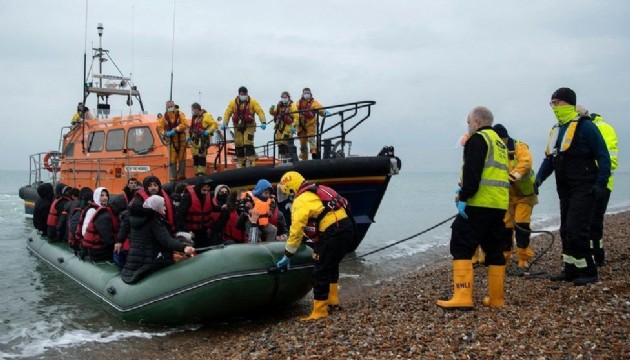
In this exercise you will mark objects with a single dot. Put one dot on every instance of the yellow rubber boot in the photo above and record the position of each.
(524, 256)
(481, 256)
(462, 286)
(320, 310)
(496, 278)
(508, 257)
(333, 295)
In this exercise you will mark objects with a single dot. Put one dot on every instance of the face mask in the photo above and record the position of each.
(242, 97)
(306, 96)
(564, 113)
(222, 198)
(263, 198)
(284, 100)
(171, 109)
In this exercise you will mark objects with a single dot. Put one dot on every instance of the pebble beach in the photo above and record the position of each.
(398, 319)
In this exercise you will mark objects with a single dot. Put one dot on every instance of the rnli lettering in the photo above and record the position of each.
(463, 285)
(137, 169)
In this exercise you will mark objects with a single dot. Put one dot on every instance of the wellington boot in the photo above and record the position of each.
(333, 295)
(320, 310)
(524, 255)
(508, 257)
(496, 278)
(462, 286)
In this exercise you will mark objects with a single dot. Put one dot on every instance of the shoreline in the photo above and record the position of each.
(397, 317)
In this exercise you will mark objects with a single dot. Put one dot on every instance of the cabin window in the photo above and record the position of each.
(69, 153)
(95, 141)
(115, 139)
(140, 139)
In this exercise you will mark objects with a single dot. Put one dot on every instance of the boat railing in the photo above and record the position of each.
(44, 163)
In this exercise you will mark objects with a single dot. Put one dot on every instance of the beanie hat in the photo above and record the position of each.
(565, 94)
(501, 131)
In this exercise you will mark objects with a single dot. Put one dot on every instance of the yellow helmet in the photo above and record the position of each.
(290, 182)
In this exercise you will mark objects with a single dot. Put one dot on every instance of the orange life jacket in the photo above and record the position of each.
(331, 200)
(53, 215)
(77, 239)
(262, 207)
(306, 105)
(167, 201)
(198, 215)
(242, 114)
(92, 239)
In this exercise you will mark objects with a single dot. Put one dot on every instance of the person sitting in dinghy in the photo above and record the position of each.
(151, 244)
(99, 228)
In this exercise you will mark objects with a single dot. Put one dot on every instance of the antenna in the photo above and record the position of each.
(129, 102)
(172, 53)
(84, 82)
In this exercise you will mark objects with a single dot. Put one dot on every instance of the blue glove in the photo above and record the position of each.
(458, 190)
(223, 127)
(205, 133)
(284, 262)
(272, 107)
(187, 139)
(326, 113)
(292, 129)
(263, 126)
(461, 206)
(170, 133)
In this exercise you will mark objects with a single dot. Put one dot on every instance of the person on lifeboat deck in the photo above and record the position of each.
(307, 124)
(151, 243)
(81, 110)
(202, 126)
(286, 123)
(100, 227)
(319, 213)
(258, 225)
(172, 126)
(242, 110)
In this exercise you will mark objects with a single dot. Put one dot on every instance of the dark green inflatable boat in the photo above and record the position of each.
(223, 282)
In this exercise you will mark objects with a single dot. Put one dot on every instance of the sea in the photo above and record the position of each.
(43, 314)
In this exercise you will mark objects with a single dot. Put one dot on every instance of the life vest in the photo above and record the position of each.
(73, 240)
(167, 201)
(215, 213)
(494, 186)
(273, 219)
(306, 105)
(78, 233)
(242, 114)
(172, 125)
(53, 215)
(331, 200)
(263, 208)
(553, 145)
(198, 215)
(231, 232)
(525, 185)
(282, 115)
(196, 123)
(92, 239)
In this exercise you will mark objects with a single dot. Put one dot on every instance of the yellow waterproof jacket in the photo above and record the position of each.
(207, 122)
(521, 172)
(314, 104)
(307, 206)
(610, 137)
(279, 109)
(254, 108)
(167, 122)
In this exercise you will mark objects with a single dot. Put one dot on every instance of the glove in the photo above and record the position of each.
(598, 192)
(272, 107)
(223, 127)
(284, 262)
(326, 113)
(458, 190)
(205, 133)
(461, 206)
(537, 184)
(263, 126)
(187, 139)
(170, 133)
(293, 130)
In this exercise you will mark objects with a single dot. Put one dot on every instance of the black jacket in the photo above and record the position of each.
(62, 225)
(151, 244)
(53, 230)
(42, 207)
(105, 227)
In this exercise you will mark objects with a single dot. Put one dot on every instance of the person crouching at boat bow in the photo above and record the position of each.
(285, 123)
(202, 126)
(319, 213)
(151, 244)
(100, 227)
(172, 127)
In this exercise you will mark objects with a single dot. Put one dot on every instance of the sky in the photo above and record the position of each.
(425, 63)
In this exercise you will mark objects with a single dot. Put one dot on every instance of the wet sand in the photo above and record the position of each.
(398, 318)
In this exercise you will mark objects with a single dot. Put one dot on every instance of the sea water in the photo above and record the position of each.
(43, 313)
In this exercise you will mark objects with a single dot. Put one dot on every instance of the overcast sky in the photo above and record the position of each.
(425, 63)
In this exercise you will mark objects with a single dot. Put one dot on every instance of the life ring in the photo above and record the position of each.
(48, 161)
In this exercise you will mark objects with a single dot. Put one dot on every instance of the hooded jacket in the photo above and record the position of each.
(105, 224)
(42, 207)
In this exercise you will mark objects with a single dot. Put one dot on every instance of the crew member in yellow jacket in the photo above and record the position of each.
(172, 126)
(308, 124)
(332, 235)
(286, 118)
(241, 110)
(202, 126)
(522, 199)
(597, 223)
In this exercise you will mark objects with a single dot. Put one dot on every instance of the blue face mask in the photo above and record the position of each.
(306, 96)
(262, 197)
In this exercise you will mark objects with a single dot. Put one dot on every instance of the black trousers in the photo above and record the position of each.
(597, 227)
(331, 248)
(576, 212)
(483, 227)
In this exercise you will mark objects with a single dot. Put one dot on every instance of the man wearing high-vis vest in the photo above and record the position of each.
(597, 224)
(577, 153)
(481, 204)
(522, 199)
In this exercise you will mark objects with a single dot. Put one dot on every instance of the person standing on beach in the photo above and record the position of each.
(481, 204)
(319, 213)
(577, 153)
(522, 199)
(172, 126)
(597, 224)
(242, 110)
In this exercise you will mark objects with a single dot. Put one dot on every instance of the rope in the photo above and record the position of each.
(400, 241)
